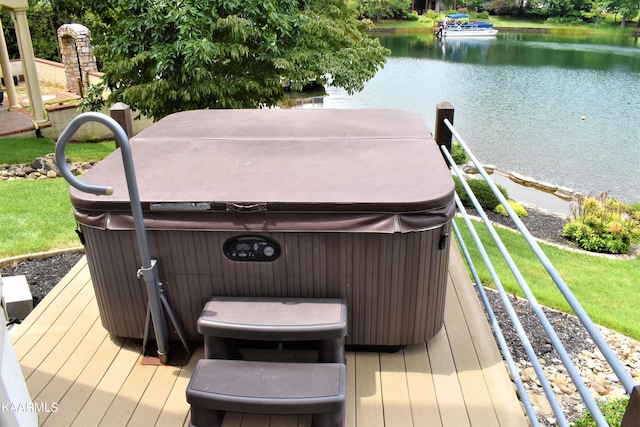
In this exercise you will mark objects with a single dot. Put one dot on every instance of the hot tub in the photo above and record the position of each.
(280, 203)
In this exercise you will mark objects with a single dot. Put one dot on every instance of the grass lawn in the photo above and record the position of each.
(25, 150)
(36, 215)
(410, 26)
(511, 22)
(605, 287)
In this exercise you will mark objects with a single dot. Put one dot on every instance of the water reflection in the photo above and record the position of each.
(529, 50)
(473, 50)
(520, 100)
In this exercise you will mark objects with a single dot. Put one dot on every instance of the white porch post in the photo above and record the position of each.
(18, 409)
(5, 66)
(29, 65)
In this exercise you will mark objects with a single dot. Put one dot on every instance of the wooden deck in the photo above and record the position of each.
(78, 374)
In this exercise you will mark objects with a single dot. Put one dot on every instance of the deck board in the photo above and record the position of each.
(44, 370)
(445, 381)
(423, 400)
(64, 379)
(110, 383)
(498, 383)
(369, 410)
(474, 391)
(395, 391)
(123, 406)
(46, 314)
(84, 385)
(176, 408)
(152, 402)
(455, 379)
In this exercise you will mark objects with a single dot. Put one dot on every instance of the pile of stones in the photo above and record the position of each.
(596, 373)
(601, 381)
(562, 192)
(41, 168)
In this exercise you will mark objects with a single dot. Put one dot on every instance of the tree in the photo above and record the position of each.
(553, 8)
(163, 56)
(43, 22)
(628, 9)
(474, 5)
(597, 11)
(383, 9)
(504, 7)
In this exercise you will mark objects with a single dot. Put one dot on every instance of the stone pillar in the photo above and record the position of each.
(77, 56)
(29, 66)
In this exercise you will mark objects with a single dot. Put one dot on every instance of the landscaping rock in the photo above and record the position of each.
(41, 168)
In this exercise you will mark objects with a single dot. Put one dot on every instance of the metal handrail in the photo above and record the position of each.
(149, 269)
(526, 343)
(506, 352)
(617, 366)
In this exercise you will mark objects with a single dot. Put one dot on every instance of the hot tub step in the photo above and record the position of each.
(219, 385)
(226, 319)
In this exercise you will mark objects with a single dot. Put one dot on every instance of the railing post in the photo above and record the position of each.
(444, 110)
(121, 113)
(632, 414)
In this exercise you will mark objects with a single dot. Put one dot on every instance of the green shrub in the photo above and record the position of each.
(387, 9)
(481, 190)
(458, 154)
(94, 98)
(613, 412)
(432, 14)
(517, 207)
(480, 15)
(483, 193)
(427, 21)
(604, 225)
(565, 20)
(412, 16)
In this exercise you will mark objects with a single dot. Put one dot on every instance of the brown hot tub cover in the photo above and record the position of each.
(293, 170)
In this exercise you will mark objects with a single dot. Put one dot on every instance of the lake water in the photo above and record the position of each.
(565, 110)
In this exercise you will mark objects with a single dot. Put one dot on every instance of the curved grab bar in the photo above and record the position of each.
(66, 135)
(149, 270)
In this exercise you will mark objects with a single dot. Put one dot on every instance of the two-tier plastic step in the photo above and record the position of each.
(219, 385)
(225, 320)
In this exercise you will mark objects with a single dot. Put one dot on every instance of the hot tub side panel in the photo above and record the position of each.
(394, 284)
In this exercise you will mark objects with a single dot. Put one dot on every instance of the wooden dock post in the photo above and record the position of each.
(121, 113)
(631, 416)
(444, 110)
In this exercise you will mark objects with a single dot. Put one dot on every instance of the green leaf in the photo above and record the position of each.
(163, 56)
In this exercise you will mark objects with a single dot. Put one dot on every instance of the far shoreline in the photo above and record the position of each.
(427, 30)
(415, 27)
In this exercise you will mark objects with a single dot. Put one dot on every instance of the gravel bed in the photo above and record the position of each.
(543, 225)
(43, 274)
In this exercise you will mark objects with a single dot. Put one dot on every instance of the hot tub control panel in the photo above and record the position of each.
(251, 248)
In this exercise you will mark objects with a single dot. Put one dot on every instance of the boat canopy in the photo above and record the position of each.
(458, 16)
